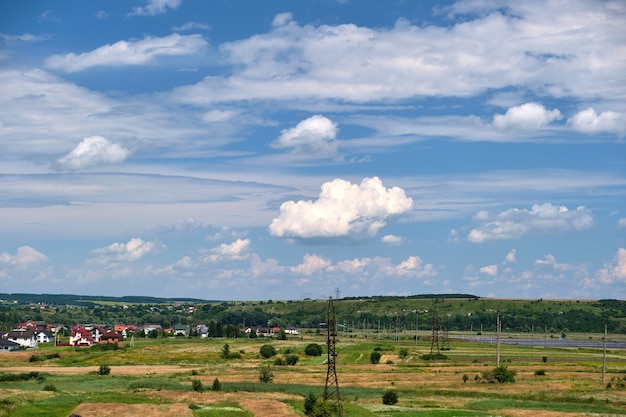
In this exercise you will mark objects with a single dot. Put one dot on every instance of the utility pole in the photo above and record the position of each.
(604, 356)
(498, 340)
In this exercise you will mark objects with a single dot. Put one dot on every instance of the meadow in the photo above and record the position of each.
(175, 377)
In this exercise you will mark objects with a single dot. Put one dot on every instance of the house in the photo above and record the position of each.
(112, 337)
(44, 336)
(23, 337)
(181, 330)
(7, 345)
(97, 332)
(291, 330)
(81, 337)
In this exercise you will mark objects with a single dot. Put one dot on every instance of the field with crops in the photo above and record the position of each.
(194, 377)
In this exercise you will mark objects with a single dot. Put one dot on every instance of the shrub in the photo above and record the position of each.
(540, 372)
(403, 353)
(226, 351)
(266, 375)
(313, 349)
(309, 403)
(323, 409)
(104, 370)
(375, 357)
(217, 385)
(279, 362)
(544, 359)
(196, 384)
(50, 387)
(465, 378)
(267, 351)
(291, 359)
(390, 397)
(499, 374)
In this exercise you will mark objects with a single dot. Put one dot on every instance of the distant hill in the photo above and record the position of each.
(73, 299)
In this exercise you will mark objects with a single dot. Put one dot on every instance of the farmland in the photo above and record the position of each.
(155, 377)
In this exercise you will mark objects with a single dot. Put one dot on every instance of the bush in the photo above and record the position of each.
(266, 375)
(323, 409)
(403, 353)
(544, 359)
(279, 362)
(465, 378)
(540, 372)
(104, 370)
(50, 388)
(375, 357)
(390, 397)
(217, 385)
(313, 349)
(267, 351)
(309, 403)
(499, 374)
(196, 384)
(291, 359)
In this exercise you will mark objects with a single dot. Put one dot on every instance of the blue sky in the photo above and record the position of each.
(277, 150)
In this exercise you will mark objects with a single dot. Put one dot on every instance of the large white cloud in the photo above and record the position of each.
(315, 134)
(92, 151)
(588, 121)
(129, 52)
(514, 223)
(237, 250)
(530, 44)
(527, 116)
(342, 209)
(25, 257)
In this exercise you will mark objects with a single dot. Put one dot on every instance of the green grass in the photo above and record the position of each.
(592, 406)
(221, 410)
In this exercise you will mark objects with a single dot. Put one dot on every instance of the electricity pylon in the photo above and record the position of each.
(331, 389)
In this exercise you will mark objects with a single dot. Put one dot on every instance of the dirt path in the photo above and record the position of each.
(266, 408)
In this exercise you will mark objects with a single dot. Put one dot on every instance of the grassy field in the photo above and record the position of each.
(155, 377)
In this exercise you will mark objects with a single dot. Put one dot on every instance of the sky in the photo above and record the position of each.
(254, 150)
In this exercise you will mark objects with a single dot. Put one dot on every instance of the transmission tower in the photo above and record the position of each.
(445, 342)
(331, 389)
(434, 338)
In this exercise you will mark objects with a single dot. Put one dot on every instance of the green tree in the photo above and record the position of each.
(390, 397)
(226, 351)
(217, 385)
(313, 349)
(309, 403)
(375, 357)
(291, 359)
(266, 375)
(267, 351)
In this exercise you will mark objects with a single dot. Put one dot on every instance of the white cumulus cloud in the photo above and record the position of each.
(92, 151)
(310, 265)
(621, 223)
(514, 223)
(237, 250)
(511, 256)
(614, 271)
(317, 133)
(527, 116)
(25, 257)
(155, 7)
(491, 270)
(588, 121)
(392, 240)
(342, 209)
(129, 52)
(131, 251)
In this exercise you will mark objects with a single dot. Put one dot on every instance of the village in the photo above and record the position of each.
(29, 334)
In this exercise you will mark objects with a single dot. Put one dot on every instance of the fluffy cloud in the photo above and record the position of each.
(155, 7)
(392, 240)
(130, 251)
(129, 52)
(614, 271)
(621, 223)
(511, 256)
(25, 257)
(588, 121)
(237, 250)
(413, 266)
(342, 209)
(514, 223)
(527, 116)
(491, 270)
(92, 151)
(310, 265)
(317, 134)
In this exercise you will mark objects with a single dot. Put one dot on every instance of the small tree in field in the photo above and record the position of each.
(313, 349)
(266, 375)
(375, 357)
(217, 385)
(267, 351)
(104, 370)
(390, 397)
(309, 403)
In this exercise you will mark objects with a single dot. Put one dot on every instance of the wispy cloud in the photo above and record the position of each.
(514, 223)
(155, 7)
(123, 53)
